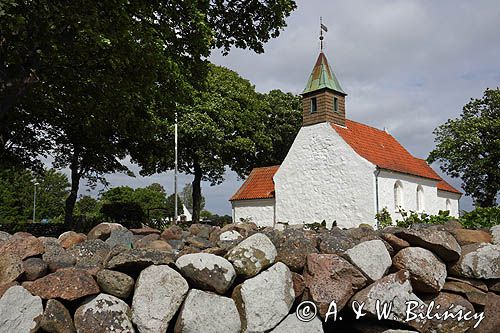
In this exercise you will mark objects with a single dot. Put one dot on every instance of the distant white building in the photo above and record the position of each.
(186, 216)
(340, 170)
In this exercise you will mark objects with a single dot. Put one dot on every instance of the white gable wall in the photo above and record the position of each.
(432, 203)
(323, 178)
(259, 211)
(454, 202)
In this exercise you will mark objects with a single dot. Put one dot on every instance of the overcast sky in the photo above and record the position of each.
(407, 66)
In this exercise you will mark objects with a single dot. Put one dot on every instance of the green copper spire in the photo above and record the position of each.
(322, 76)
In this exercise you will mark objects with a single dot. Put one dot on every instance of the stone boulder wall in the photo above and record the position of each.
(240, 278)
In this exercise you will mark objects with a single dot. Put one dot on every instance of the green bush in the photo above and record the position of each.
(481, 217)
(384, 218)
(128, 214)
(410, 218)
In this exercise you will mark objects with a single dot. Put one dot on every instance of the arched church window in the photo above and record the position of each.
(448, 205)
(314, 105)
(420, 198)
(398, 195)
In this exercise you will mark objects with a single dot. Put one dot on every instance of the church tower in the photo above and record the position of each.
(323, 98)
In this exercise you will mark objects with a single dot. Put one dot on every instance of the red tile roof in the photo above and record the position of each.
(374, 145)
(258, 185)
(381, 149)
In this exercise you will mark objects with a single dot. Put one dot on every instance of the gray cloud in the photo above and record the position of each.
(406, 65)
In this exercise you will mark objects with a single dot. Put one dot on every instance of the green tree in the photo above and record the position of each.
(118, 194)
(87, 206)
(170, 208)
(468, 147)
(187, 197)
(153, 200)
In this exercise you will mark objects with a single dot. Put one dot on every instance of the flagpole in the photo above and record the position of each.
(175, 170)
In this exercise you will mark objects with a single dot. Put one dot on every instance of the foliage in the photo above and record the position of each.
(218, 220)
(315, 226)
(481, 217)
(383, 218)
(170, 206)
(187, 198)
(17, 194)
(410, 218)
(129, 214)
(468, 147)
(88, 207)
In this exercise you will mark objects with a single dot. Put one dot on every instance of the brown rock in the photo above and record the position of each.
(56, 318)
(298, 284)
(4, 287)
(199, 242)
(201, 230)
(215, 250)
(494, 286)
(491, 321)
(145, 231)
(68, 284)
(70, 238)
(473, 282)
(159, 245)
(293, 247)
(173, 232)
(11, 267)
(473, 295)
(445, 300)
(466, 236)
(395, 242)
(22, 245)
(329, 277)
(103, 230)
(442, 243)
(34, 268)
(144, 241)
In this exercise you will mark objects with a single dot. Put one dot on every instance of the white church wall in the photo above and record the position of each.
(259, 211)
(322, 178)
(430, 204)
(453, 202)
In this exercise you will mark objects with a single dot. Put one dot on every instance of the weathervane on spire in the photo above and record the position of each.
(322, 28)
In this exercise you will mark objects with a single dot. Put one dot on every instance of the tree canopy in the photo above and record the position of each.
(468, 147)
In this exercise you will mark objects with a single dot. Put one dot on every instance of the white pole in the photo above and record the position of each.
(175, 171)
(34, 202)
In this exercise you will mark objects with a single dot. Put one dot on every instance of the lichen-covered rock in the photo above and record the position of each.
(371, 258)
(68, 284)
(120, 237)
(334, 242)
(11, 267)
(328, 277)
(440, 242)
(57, 257)
(252, 255)
(159, 292)
(134, 260)
(442, 304)
(103, 314)
(115, 283)
(293, 247)
(103, 230)
(207, 271)
(264, 300)
(394, 289)
(292, 324)
(70, 238)
(22, 246)
(427, 271)
(20, 311)
(481, 261)
(56, 318)
(207, 312)
(34, 268)
(91, 253)
(495, 234)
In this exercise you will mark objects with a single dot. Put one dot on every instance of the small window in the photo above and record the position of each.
(335, 104)
(398, 196)
(314, 104)
(420, 198)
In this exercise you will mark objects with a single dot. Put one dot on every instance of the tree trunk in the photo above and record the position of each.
(197, 193)
(73, 195)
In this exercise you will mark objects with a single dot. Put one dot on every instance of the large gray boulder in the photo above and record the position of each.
(480, 261)
(120, 237)
(393, 290)
(207, 312)
(440, 242)
(427, 271)
(264, 300)
(252, 255)
(159, 292)
(207, 271)
(292, 324)
(20, 311)
(371, 257)
(104, 313)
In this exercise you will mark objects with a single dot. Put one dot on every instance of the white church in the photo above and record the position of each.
(340, 170)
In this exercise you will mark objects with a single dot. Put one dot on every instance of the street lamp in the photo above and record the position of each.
(34, 200)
